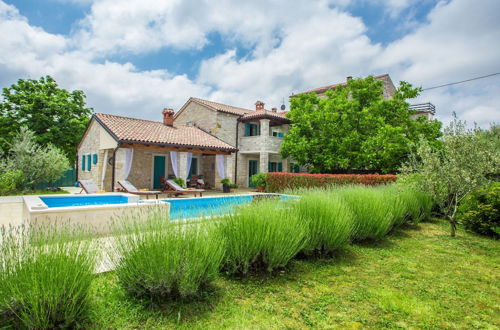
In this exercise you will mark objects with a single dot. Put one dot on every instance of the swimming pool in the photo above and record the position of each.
(210, 206)
(95, 212)
(64, 201)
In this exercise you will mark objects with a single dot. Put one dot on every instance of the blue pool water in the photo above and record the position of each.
(208, 206)
(61, 201)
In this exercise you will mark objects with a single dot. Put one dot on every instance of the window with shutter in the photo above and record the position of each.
(89, 163)
(94, 159)
(280, 167)
(83, 162)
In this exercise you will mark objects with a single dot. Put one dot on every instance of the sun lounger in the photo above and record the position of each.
(131, 189)
(171, 187)
(88, 186)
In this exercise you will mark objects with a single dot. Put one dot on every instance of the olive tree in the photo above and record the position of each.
(37, 163)
(467, 160)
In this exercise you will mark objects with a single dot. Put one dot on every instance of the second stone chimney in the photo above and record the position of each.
(168, 117)
(259, 105)
(274, 109)
(349, 78)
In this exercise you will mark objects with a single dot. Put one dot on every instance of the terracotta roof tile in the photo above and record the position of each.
(265, 113)
(325, 88)
(145, 131)
(243, 113)
(222, 107)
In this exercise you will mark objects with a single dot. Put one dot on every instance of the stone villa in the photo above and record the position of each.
(202, 138)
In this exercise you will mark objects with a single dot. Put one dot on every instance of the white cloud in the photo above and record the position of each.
(315, 51)
(30, 52)
(294, 48)
(460, 42)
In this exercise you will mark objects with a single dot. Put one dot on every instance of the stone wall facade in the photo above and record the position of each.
(95, 141)
(224, 126)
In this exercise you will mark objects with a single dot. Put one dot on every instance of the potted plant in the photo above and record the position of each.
(180, 182)
(226, 185)
(259, 180)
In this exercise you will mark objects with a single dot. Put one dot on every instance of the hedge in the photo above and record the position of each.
(278, 181)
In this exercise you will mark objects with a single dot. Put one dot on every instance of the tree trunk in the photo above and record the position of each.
(453, 227)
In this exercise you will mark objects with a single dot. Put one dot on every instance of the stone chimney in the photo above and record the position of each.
(259, 105)
(349, 78)
(274, 109)
(168, 117)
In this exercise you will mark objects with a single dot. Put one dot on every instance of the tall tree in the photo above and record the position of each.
(55, 115)
(354, 127)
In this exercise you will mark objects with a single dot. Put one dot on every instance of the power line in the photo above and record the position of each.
(459, 82)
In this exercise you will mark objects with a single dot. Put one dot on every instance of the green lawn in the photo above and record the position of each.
(418, 277)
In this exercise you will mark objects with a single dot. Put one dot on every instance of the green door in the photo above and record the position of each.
(252, 169)
(194, 168)
(158, 170)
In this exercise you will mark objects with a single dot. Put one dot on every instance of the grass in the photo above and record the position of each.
(416, 277)
(45, 276)
(36, 192)
(158, 259)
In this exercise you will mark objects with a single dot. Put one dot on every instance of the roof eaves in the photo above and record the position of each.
(106, 128)
(178, 145)
(192, 99)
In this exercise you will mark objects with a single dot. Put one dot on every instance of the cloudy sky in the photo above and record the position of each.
(135, 57)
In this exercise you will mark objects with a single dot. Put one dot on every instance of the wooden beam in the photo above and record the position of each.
(166, 148)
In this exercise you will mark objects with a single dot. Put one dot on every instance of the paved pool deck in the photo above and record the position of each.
(11, 207)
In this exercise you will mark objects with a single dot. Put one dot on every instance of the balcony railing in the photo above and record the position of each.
(423, 107)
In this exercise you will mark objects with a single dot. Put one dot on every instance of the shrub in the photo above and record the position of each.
(259, 180)
(225, 181)
(371, 209)
(158, 259)
(38, 164)
(329, 220)
(277, 182)
(407, 204)
(468, 160)
(480, 212)
(45, 276)
(10, 181)
(262, 236)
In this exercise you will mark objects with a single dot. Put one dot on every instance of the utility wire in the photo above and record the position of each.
(459, 82)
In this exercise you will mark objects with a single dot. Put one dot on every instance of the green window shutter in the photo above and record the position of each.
(89, 163)
(247, 129)
(280, 134)
(269, 168)
(94, 159)
(280, 167)
(83, 162)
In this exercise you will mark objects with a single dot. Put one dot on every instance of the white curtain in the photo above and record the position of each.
(104, 167)
(129, 156)
(189, 162)
(219, 159)
(174, 159)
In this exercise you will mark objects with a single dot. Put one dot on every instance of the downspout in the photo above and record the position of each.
(113, 169)
(76, 165)
(236, 154)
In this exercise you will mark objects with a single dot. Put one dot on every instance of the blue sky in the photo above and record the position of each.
(136, 57)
